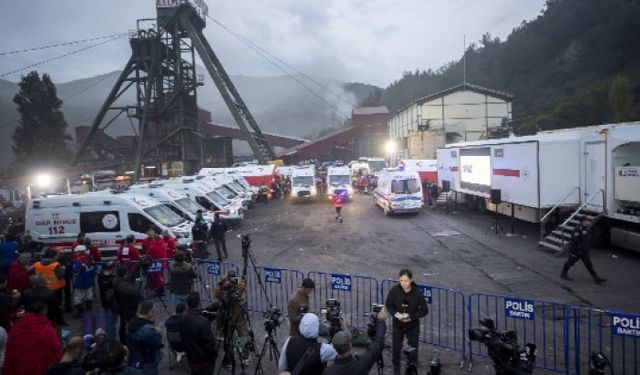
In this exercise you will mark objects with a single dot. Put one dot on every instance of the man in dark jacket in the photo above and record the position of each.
(127, 290)
(39, 293)
(579, 250)
(199, 233)
(107, 295)
(346, 363)
(181, 280)
(117, 360)
(70, 362)
(407, 305)
(299, 305)
(197, 338)
(144, 340)
(218, 230)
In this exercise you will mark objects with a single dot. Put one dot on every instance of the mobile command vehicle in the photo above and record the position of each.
(591, 171)
(174, 200)
(399, 191)
(105, 217)
(303, 182)
(208, 198)
(339, 179)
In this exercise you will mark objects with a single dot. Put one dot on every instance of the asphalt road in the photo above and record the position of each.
(442, 249)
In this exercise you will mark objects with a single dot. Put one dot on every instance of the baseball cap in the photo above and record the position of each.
(341, 339)
(308, 283)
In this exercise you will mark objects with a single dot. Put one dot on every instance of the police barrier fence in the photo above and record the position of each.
(356, 295)
(209, 274)
(444, 326)
(279, 284)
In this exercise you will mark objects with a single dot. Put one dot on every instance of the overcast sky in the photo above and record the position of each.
(369, 41)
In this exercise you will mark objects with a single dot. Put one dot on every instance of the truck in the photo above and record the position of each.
(560, 174)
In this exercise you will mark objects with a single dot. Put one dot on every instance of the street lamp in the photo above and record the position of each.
(43, 180)
(390, 148)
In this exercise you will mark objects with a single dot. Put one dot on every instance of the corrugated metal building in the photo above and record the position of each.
(462, 113)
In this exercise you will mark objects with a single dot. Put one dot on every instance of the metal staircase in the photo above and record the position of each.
(560, 238)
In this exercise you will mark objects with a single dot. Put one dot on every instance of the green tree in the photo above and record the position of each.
(39, 139)
(621, 98)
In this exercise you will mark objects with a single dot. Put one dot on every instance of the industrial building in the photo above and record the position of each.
(462, 113)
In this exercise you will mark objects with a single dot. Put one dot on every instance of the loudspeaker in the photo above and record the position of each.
(446, 186)
(496, 196)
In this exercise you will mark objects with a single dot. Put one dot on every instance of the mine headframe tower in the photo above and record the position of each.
(162, 71)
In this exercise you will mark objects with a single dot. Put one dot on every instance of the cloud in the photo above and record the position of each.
(370, 41)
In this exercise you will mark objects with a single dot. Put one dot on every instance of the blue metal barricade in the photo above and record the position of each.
(279, 284)
(615, 334)
(356, 295)
(542, 323)
(445, 324)
(209, 274)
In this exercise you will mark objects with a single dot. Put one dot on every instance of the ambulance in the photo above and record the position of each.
(207, 197)
(303, 182)
(399, 191)
(107, 218)
(174, 200)
(228, 188)
(339, 179)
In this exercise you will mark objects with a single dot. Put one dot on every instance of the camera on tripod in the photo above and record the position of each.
(373, 318)
(211, 312)
(245, 242)
(333, 314)
(503, 349)
(272, 319)
(231, 291)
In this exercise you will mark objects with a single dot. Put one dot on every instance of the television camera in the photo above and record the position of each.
(272, 319)
(503, 349)
(333, 314)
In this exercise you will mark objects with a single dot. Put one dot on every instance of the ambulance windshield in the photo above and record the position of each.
(189, 205)
(164, 215)
(405, 186)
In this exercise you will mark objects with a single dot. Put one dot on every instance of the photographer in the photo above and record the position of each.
(230, 292)
(299, 305)
(197, 338)
(407, 305)
(296, 347)
(345, 363)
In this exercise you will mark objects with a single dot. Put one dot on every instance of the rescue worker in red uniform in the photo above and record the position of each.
(337, 203)
(172, 247)
(157, 251)
(127, 254)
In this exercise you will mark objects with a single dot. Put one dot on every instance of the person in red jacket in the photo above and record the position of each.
(33, 345)
(157, 250)
(146, 243)
(127, 254)
(172, 247)
(79, 241)
(19, 273)
(337, 203)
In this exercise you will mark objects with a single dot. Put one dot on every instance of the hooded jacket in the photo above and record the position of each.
(182, 275)
(145, 344)
(291, 354)
(32, 338)
(417, 306)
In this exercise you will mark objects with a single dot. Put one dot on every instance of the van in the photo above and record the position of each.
(107, 218)
(229, 188)
(398, 191)
(207, 197)
(303, 182)
(176, 201)
(339, 178)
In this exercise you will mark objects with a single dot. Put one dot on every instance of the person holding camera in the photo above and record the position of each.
(407, 305)
(197, 338)
(579, 250)
(304, 354)
(230, 292)
(299, 305)
(346, 363)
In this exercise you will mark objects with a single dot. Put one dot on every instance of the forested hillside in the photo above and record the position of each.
(576, 64)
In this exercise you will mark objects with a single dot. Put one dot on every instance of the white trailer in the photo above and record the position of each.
(569, 168)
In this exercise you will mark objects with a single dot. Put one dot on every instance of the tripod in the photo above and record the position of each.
(230, 327)
(269, 346)
(380, 364)
(495, 226)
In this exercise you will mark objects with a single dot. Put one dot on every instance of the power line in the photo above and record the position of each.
(61, 56)
(61, 44)
(269, 57)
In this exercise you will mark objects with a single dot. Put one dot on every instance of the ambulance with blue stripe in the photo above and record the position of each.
(399, 191)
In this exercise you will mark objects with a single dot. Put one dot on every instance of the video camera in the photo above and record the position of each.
(272, 319)
(598, 363)
(245, 242)
(333, 315)
(503, 349)
(231, 292)
(373, 319)
(211, 312)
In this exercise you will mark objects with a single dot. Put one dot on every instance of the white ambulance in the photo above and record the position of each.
(207, 197)
(399, 191)
(105, 217)
(175, 200)
(303, 182)
(339, 178)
